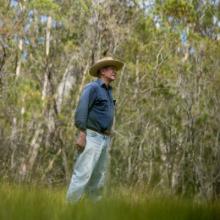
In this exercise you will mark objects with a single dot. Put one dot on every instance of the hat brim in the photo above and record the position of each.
(94, 69)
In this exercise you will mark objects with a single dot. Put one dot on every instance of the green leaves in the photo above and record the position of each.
(28, 97)
(45, 7)
(182, 10)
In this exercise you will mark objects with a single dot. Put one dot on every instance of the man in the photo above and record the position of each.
(94, 118)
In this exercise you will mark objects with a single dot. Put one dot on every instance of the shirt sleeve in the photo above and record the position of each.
(85, 102)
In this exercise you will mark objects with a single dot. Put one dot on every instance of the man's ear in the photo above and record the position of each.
(100, 72)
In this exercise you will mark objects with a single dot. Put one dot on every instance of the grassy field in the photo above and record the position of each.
(30, 203)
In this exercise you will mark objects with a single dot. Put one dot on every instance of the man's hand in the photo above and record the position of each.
(81, 141)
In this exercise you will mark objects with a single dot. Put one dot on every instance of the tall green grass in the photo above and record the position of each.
(30, 203)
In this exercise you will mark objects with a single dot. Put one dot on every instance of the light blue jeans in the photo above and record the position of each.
(90, 169)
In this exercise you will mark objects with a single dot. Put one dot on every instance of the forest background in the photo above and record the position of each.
(167, 127)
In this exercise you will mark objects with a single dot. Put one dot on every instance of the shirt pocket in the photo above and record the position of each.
(102, 104)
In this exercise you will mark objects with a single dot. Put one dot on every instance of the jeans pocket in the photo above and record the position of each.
(91, 133)
(94, 140)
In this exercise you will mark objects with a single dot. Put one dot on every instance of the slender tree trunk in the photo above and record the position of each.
(34, 147)
(48, 30)
(82, 82)
(18, 67)
(65, 86)
(38, 135)
(16, 126)
(13, 142)
(20, 42)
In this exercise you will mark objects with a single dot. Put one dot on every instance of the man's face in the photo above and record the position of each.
(109, 73)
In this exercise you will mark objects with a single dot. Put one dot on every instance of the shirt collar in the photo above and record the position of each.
(102, 84)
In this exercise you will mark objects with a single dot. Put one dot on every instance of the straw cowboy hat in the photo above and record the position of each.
(106, 61)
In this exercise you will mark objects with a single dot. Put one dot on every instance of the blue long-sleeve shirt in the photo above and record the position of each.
(95, 109)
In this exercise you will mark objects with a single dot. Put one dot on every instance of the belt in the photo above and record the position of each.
(107, 133)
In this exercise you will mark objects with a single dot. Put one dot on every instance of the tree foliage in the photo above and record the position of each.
(166, 134)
